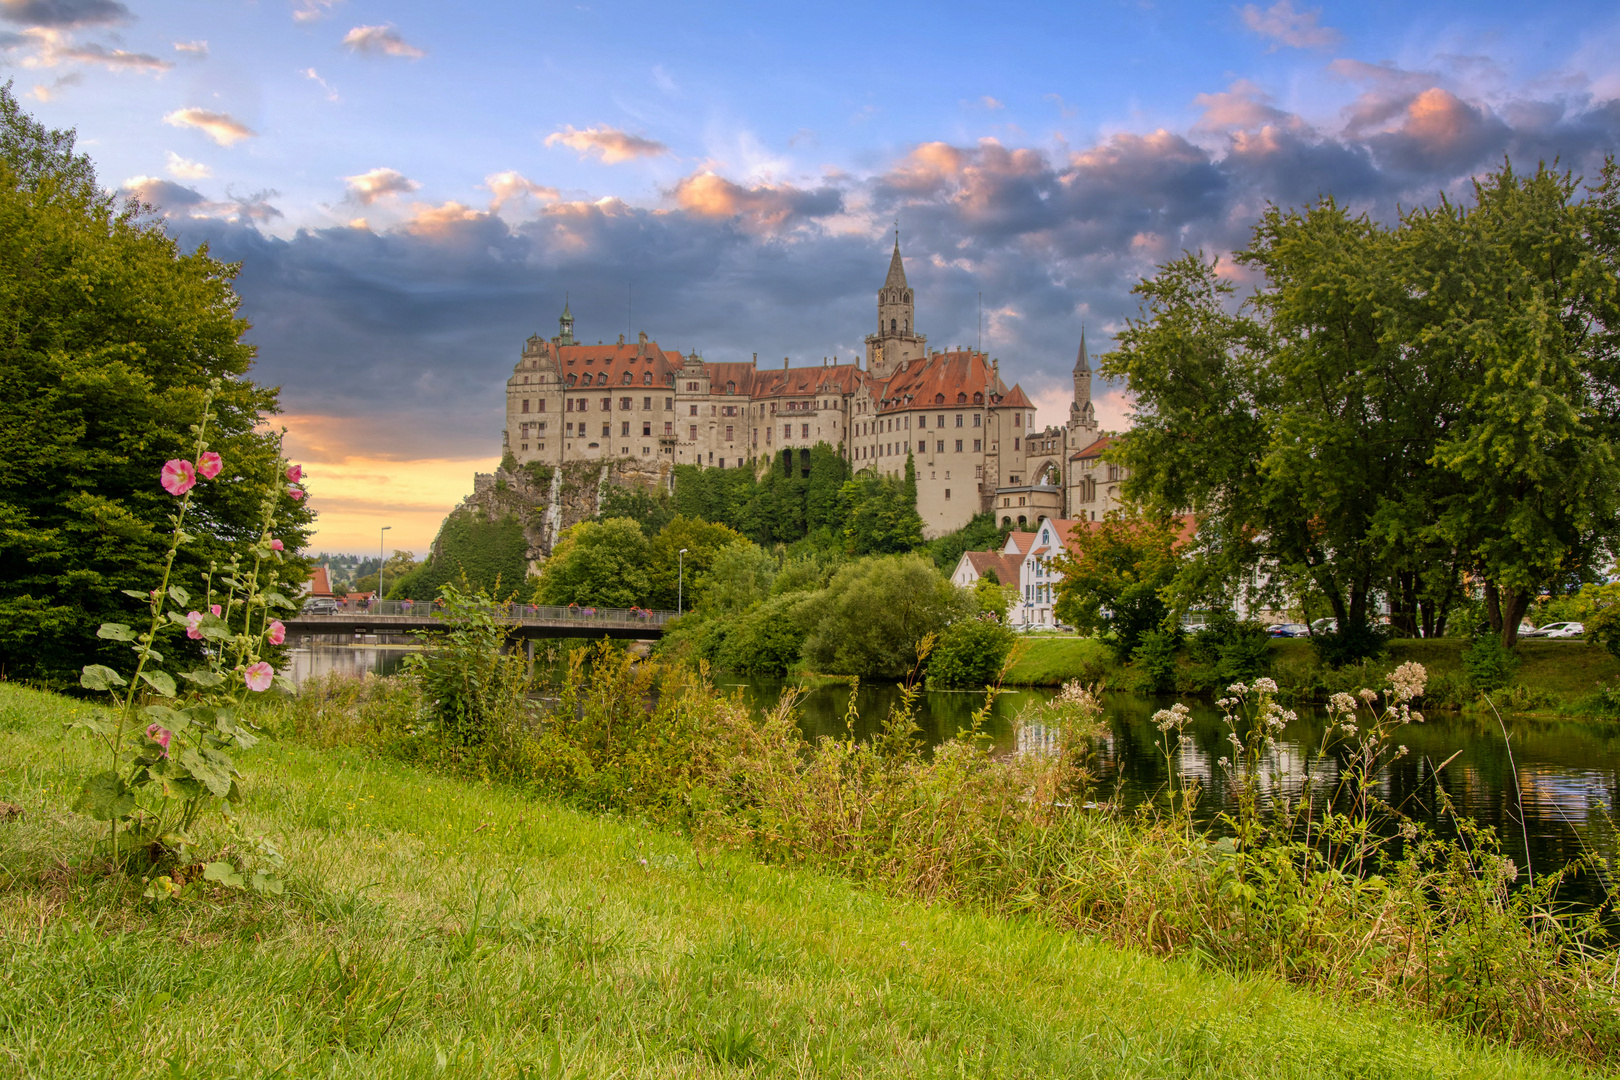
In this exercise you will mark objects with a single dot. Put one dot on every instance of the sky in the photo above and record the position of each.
(412, 189)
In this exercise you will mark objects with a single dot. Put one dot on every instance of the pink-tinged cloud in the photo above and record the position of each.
(368, 187)
(223, 128)
(1243, 106)
(310, 10)
(1285, 26)
(443, 221)
(55, 48)
(182, 169)
(381, 41)
(609, 144)
(197, 49)
(511, 186)
(767, 207)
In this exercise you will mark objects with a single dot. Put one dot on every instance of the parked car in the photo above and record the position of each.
(1555, 630)
(320, 605)
(1289, 629)
(1328, 625)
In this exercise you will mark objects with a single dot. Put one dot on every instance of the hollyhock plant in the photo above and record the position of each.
(151, 794)
(259, 676)
(295, 473)
(179, 476)
(277, 545)
(296, 494)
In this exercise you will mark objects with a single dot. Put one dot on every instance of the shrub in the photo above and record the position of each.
(1153, 662)
(971, 652)
(1489, 663)
(875, 613)
(766, 641)
(1348, 645)
(466, 681)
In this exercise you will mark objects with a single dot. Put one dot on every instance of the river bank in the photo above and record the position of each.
(1553, 676)
(439, 926)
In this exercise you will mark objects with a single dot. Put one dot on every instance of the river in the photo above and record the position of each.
(1566, 773)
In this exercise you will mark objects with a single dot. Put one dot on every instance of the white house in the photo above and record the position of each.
(1037, 579)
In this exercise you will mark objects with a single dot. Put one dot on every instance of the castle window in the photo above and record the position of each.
(922, 420)
(976, 446)
(607, 430)
(978, 399)
(975, 419)
(958, 446)
(731, 388)
(692, 428)
(624, 404)
(694, 410)
(947, 493)
(607, 404)
(646, 379)
(961, 399)
(571, 379)
(542, 408)
(939, 399)
(728, 433)
(958, 419)
(691, 386)
(978, 472)
(646, 430)
(626, 429)
(629, 376)
(940, 446)
(525, 404)
(525, 380)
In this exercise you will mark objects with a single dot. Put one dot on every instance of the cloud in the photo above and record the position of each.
(46, 92)
(381, 41)
(765, 208)
(187, 170)
(1285, 26)
(176, 200)
(511, 187)
(310, 10)
(223, 128)
(54, 47)
(310, 73)
(368, 187)
(609, 144)
(1241, 106)
(64, 14)
(196, 49)
(989, 102)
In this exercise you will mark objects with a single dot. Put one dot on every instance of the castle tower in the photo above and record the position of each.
(897, 341)
(1082, 417)
(565, 326)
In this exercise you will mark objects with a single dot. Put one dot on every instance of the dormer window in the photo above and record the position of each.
(939, 399)
(572, 378)
(961, 399)
(978, 399)
(629, 377)
(646, 379)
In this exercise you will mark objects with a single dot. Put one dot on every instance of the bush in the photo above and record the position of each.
(874, 614)
(766, 641)
(1227, 651)
(970, 652)
(467, 685)
(1153, 662)
(1489, 663)
(1349, 645)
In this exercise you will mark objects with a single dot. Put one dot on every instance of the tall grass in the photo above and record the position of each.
(1361, 903)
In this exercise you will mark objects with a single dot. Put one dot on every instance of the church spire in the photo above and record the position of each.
(897, 271)
(1082, 364)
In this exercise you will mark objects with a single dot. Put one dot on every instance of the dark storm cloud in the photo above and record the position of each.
(63, 14)
(413, 329)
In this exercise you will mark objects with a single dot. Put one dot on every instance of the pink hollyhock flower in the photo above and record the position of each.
(258, 677)
(161, 736)
(295, 473)
(179, 476)
(209, 465)
(296, 494)
(277, 545)
(214, 609)
(193, 623)
(278, 632)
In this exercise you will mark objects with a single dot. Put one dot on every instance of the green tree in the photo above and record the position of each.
(1114, 576)
(768, 640)
(674, 577)
(981, 533)
(739, 578)
(478, 555)
(598, 564)
(651, 511)
(970, 653)
(880, 515)
(112, 334)
(874, 613)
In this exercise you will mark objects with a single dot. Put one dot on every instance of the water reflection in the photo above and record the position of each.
(352, 660)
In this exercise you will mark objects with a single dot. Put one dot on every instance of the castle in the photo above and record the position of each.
(971, 436)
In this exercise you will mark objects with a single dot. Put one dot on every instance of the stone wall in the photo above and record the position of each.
(549, 499)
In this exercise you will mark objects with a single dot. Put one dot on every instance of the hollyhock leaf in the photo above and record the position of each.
(285, 685)
(179, 595)
(225, 874)
(275, 599)
(97, 677)
(136, 593)
(113, 631)
(215, 778)
(105, 797)
(161, 681)
(264, 883)
(202, 677)
(178, 617)
(148, 652)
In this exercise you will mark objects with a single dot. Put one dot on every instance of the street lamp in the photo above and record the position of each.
(380, 561)
(680, 587)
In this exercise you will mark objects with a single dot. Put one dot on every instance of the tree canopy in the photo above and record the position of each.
(1396, 406)
(112, 334)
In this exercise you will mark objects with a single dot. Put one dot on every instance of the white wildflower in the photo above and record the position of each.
(1265, 686)
(1237, 688)
(1408, 679)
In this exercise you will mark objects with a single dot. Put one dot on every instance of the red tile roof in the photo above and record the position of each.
(1021, 541)
(1095, 449)
(1005, 565)
(1016, 399)
(806, 381)
(615, 362)
(319, 583)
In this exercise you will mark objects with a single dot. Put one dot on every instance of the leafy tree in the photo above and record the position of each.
(880, 514)
(1395, 406)
(479, 555)
(598, 564)
(739, 578)
(1114, 574)
(651, 511)
(673, 577)
(766, 641)
(400, 565)
(993, 597)
(981, 533)
(970, 653)
(874, 614)
(828, 472)
(112, 334)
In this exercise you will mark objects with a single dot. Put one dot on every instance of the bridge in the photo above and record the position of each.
(525, 620)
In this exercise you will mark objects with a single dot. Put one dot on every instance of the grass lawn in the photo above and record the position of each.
(440, 928)
(1042, 660)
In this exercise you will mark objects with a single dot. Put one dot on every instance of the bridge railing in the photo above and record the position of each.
(517, 612)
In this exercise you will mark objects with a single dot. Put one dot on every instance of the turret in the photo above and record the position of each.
(896, 340)
(1081, 413)
(565, 326)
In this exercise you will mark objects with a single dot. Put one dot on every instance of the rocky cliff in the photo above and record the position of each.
(548, 499)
